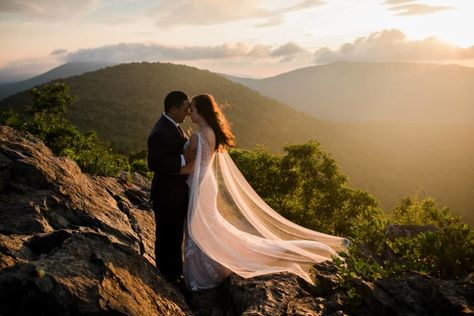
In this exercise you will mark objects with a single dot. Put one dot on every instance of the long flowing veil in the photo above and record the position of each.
(234, 227)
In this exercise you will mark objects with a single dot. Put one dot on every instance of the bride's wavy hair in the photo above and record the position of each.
(208, 108)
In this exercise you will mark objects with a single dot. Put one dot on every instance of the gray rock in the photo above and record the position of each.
(266, 294)
(73, 244)
(326, 276)
(87, 273)
(417, 295)
(397, 231)
(308, 305)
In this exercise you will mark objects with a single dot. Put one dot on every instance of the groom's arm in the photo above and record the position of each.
(160, 159)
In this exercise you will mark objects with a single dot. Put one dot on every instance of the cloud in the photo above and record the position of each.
(166, 13)
(398, 1)
(273, 21)
(209, 12)
(303, 5)
(392, 45)
(47, 9)
(127, 52)
(59, 51)
(228, 57)
(260, 51)
(288, 52)
(418, 9)
(411, 8)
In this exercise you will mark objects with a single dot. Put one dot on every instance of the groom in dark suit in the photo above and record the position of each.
(169, 191)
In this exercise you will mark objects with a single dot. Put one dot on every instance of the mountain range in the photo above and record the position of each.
(396, 92)
(390, 159)
(63, 71)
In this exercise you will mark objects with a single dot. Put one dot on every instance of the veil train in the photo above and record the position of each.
(238, 232)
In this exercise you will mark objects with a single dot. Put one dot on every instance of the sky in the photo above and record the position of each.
(250, 38)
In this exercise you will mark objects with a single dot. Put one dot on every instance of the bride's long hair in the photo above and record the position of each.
(207, 107)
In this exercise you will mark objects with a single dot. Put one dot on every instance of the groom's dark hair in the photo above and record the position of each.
(174, 98)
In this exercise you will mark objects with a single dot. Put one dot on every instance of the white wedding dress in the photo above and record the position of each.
(230, 228)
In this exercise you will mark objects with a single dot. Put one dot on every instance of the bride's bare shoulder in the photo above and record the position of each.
(210, 136)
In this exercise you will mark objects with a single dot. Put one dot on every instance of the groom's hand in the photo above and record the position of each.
(188, 168)
(190, 156)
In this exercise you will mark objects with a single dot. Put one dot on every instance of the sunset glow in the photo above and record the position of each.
(252, 38)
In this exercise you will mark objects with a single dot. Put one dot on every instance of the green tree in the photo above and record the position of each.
(263, 171)
(306, 186)
(52, 98)
(45, 119)
(10, 118)
(445, 251)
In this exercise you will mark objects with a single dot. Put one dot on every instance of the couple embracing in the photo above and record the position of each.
(209, 221)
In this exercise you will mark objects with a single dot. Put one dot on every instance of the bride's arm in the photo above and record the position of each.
(190, 155)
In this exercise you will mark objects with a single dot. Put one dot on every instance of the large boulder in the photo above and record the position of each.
(272, 294)
(71, 243)
(417, 294)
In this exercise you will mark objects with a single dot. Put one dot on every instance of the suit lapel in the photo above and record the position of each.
(173, 128)
(181, 131)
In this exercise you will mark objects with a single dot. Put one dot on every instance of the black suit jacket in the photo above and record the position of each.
(165, 145)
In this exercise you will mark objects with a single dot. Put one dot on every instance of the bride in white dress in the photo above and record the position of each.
(229, 227)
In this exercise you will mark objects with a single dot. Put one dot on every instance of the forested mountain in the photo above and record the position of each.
(63, 71)
(389, 160)
(400, 92)
(123, 102)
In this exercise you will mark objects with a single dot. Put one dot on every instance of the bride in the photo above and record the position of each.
(229, 228)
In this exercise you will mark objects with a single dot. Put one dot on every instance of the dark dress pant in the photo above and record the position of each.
(170, 217)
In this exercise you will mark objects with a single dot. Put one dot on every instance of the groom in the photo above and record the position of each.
(169, 191)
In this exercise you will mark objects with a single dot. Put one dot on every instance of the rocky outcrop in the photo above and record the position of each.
(71, 243)
(407, 231)
(417, 295)
(75, 244)
(274, 294)
(287, 294)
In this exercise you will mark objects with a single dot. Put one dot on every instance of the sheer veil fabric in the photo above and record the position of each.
(231, 229)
